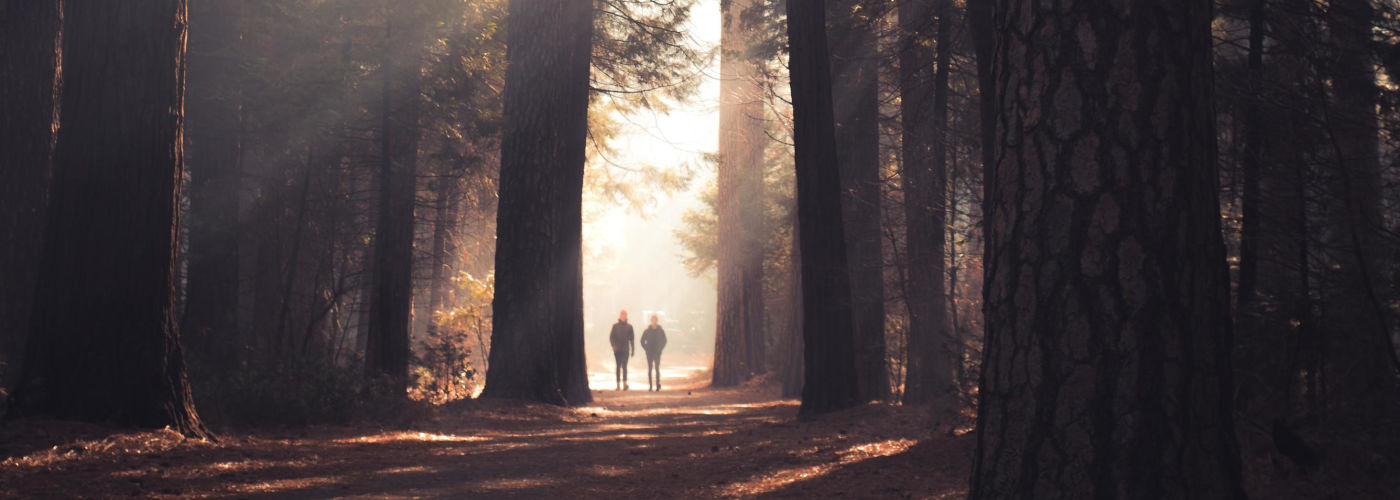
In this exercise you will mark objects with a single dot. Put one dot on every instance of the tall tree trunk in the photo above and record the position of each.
(214, 143)
(1253, 150)
(828, 339)
(792, 372)
(855, 89)
(30, 38)
(1107, 369)
(391, 305)
(103, 344)
(445, 219)
(739, 326)
(537, 320)
(1273, 303)
(924, 111)
(1361, 369)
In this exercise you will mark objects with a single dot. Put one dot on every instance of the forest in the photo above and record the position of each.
(940, 249)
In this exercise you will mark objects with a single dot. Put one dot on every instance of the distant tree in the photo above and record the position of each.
(739, 326)
(1361, 371)
(103, 344)
(855, 69)
(391, 303)
(828, 341)
(1107, 368)
(537, 322)
(925, 47)
(30, 36)
(214, 141)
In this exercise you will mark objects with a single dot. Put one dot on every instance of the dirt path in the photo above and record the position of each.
(684, 442)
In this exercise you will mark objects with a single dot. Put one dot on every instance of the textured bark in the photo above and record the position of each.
(1106, 370)
(214, 147)
(855, 90)
(828, 340)
(791, 372)
(739, 326)
(30, 34)
(1361, 372)
(391, 303)
(537, 321)
(103, 344)
(924, 113)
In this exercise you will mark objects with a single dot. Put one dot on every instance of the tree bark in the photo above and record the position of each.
(792, 371)
(855, 89)
(537, 320)
(924, 112)
(30, 38)
(739, 326)
(1107, 369)
(103, 344)
(830, 378)
(214, 144)
(391, 304)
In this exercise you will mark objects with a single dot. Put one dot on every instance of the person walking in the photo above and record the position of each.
(653, 341)
(624, 343)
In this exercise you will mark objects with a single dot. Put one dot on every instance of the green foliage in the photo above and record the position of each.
(443, 371)
(443, 368)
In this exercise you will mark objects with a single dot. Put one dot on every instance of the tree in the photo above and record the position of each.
(214, 146)
(1107, 368)
(29, 57)
(1362, 365)
(828, 342)
(1273, 308)
(103, 341)
(537, 321)
(855, 90)
(923, 76)
(391, 303)
(739, 326)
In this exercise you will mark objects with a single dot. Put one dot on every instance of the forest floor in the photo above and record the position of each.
(686, 441)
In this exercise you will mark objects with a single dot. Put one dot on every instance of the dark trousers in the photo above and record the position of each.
(654, 363)
(621, 366)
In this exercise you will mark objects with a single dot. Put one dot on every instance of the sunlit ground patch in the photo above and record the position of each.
(412, 436)
(513, 483)
(771, 481)
(283, 485)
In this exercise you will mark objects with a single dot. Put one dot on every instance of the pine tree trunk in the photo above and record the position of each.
(30, 35)
(214, 144)
(1106, 370)
(924, 111)
(855, 89)
(1273, 297)
(537, 320)
(830, 374)
(391, 305)
(104, 345)
(1361, 364)
(792, 372)
(445, 219)
(739, 326)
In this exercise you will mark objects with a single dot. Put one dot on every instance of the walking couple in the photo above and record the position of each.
(624, 345)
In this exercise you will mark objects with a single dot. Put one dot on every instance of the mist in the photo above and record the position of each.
(632, 259)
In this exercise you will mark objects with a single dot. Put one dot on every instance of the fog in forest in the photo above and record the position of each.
(977, 249)
(632, 258)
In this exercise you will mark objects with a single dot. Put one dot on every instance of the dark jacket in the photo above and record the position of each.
(622, 337)
(653, 340)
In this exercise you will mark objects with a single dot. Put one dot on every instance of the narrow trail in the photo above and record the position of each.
(684, 442)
